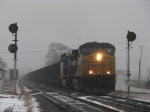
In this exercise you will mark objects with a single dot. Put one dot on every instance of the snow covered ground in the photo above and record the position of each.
(121, 85)
(12, 101)
(16, 103)
(135, 93)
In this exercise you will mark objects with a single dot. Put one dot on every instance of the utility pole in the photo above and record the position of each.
(140, 65)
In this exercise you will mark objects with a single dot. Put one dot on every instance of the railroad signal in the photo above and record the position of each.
(131, 36)
(13, 28)
(12, 48)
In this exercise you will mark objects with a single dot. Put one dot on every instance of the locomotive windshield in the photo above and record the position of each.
(89, 50)
(93, 47)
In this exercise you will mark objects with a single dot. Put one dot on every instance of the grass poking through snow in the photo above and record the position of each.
(22, 95)
(26, 97)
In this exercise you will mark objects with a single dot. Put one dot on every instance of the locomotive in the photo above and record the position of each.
(90, 68)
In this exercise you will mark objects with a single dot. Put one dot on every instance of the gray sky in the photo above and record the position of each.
(74, 22)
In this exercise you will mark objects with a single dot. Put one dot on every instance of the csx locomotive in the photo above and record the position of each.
(90, 68)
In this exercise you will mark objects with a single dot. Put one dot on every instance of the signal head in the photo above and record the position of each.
(131, 36)
(13, 28)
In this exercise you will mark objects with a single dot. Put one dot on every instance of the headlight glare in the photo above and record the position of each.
(108, 72)
(90, 72)
(99, 56)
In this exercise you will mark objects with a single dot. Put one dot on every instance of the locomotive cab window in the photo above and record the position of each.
(110, 51)
(89, 50)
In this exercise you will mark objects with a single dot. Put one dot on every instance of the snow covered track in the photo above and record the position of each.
(79, 102)
(124, 103)
(134, 104)
(72, 103)
(64, 106)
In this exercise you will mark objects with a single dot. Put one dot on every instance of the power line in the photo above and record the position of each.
(26, 52)
(73, 45)
(27, 44)
(32, 51)
(134, 42)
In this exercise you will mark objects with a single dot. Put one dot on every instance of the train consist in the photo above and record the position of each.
(90, 68)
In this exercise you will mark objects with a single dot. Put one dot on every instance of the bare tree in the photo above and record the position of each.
(54, 53)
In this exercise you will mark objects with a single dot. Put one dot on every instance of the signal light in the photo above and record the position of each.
(12, 48)
(13, 28)
(131, 36)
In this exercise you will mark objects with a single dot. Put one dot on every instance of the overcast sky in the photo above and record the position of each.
(74, 22)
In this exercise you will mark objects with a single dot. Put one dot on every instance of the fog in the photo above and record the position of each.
(74, 22)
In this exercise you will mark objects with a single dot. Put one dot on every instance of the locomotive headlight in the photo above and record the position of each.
(90, 72)
(99, 56)
(108, 72)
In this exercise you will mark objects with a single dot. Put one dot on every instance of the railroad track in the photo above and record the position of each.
(72, 103)
(125, 104)
(135, 104)
(80, 102)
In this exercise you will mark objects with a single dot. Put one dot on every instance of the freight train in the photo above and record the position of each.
(90, 68)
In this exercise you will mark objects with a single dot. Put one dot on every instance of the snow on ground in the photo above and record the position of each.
(135, 93)
(12, 101)
(17, 104)
(34, 105)
(121, 85)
